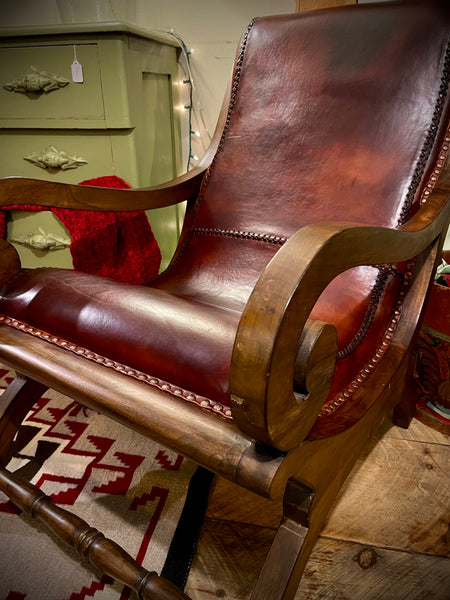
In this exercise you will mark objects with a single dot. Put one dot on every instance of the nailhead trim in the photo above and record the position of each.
(428, 145)
(206, 178)
(384, 345)
(174, 390)
(248, 235)
(390, 270)
(374, 300)
(437, 169)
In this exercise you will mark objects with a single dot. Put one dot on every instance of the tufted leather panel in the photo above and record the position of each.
(320, 128)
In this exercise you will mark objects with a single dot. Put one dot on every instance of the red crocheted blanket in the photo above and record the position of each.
(120, 245)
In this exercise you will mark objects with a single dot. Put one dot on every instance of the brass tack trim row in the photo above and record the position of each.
(383, 346)
(246, 235)
(175, 390)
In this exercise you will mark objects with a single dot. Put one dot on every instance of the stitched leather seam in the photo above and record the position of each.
(369, 315)
(390, 270)
(246, 235)
(174, 390)
(384, 272)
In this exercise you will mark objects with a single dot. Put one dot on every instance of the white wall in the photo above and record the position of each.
(212, 28)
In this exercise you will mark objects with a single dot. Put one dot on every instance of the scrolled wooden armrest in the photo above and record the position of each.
(21, 190)
(17, 190)
(265, 404)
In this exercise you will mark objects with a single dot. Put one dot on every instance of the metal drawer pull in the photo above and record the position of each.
(36, 81)
(41, 240)
(51, 158)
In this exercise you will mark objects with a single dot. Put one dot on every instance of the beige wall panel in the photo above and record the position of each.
(303, 5)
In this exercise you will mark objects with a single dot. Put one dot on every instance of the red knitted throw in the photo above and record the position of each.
(120, 245)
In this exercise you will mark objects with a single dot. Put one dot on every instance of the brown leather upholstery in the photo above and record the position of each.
(320, 128)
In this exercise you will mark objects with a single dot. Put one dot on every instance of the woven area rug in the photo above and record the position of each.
(126, 486)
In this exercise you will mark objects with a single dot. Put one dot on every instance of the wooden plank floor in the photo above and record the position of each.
(387, 538)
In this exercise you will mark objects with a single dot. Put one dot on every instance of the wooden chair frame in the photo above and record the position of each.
(265, 448)
(288, 473)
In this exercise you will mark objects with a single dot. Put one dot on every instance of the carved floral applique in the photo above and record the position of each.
(36, 81)
(41, 240)
(51, 158)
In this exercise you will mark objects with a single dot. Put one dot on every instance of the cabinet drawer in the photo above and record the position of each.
(93, 147)
(82, 103)
(107, 154)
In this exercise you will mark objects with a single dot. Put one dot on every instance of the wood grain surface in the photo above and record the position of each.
(387, 537)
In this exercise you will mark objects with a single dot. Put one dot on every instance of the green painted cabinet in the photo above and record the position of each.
(120, 120)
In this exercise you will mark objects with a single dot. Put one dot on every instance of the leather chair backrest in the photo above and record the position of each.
(332, 118)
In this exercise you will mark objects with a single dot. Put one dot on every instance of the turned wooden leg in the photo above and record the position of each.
(101, 551)
(15, 402)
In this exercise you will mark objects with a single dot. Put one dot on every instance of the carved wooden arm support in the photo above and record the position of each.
(265, 403)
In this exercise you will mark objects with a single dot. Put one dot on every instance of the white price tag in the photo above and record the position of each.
(77, 72)
(77, 69)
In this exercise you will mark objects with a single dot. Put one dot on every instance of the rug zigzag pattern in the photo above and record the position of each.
(99, 447)
(125, 485)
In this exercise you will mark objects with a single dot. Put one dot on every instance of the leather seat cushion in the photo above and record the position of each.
(183, 340)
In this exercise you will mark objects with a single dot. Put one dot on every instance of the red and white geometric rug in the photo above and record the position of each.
(128, 487)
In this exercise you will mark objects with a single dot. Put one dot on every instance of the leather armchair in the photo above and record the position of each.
(281, 333)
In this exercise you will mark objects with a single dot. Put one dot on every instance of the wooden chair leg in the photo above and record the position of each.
(15, 402)
(101, 551)
(323, 464)
(290, 549)
(405, 409)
